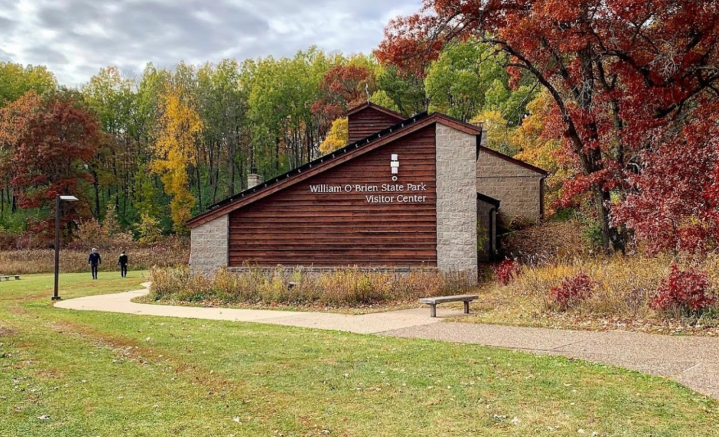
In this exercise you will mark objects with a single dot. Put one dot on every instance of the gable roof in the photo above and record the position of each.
(485, 149)
(382, 109)
(311, 169)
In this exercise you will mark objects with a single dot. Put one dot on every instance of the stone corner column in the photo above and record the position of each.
(456, 200)
(209, 246)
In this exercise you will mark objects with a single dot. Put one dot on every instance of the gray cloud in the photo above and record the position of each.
(75, 38)
(42, 55)
(5, 56)
(60, 14)
(6, 25)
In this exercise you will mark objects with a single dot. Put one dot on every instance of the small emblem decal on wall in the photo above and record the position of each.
(394, 165)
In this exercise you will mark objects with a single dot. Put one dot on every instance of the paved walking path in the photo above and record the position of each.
(692, 361)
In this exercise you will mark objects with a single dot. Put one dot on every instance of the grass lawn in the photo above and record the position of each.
(66, 373)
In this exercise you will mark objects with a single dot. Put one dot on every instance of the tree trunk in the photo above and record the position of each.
(277, 154)
(612, 238)
(199, 188)
(96, 187)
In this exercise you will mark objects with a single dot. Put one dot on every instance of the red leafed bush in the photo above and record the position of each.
(506, 271)
(572, 291)
(684, 291)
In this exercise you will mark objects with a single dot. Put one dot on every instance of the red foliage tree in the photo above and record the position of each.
(672, 204)
(48, 142)
(343, 87)
(624, 74)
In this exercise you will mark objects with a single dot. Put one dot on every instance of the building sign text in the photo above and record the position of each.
(404, 193)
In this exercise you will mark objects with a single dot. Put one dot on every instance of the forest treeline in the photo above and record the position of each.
(617, 99)
(158, 148)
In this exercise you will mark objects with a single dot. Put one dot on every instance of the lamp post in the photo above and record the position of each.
(57, 239)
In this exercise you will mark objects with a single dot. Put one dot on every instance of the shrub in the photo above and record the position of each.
(683, 291)
(506, 271)
(572, 291)
(107, 236)
(88, 234)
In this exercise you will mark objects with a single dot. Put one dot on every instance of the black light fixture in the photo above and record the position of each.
(58, 199)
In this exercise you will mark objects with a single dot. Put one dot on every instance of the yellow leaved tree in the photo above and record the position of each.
(499, 132)
(179, 128)
(530, 142)
(543, 150)
(337, 137)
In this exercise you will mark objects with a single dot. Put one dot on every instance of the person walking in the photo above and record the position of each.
(122, 262)
(94, 261)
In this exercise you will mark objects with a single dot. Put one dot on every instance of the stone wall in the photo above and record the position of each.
(456, 200)
(209, 246)
(518, 188)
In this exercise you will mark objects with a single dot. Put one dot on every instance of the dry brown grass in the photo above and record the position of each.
(23, 262)
(338, 288)
(547, 243)
(625, 286)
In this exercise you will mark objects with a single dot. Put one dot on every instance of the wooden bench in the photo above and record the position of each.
(7, 278)
(434, 301)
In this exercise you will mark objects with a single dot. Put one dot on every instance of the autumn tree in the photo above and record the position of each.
(148, 229)
(623, 74)
(16, 80)
(498, 132)
(538, 144)
(343, 87)
(50, 142)
(673, 204)
(179, 127)
(337, 137)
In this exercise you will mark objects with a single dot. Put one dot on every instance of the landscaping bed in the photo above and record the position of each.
(632, 293)
(343, 289)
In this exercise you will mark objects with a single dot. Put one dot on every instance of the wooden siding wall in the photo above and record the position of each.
(367, 122)
(296, 227)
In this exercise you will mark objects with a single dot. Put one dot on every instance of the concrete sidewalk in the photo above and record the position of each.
(692, 361)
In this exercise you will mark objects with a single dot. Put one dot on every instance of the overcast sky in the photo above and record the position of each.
(75, 38)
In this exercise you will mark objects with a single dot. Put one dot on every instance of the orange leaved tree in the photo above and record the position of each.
(625, 76)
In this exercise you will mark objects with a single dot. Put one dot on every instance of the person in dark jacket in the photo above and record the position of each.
(94, 261)
(122, 262)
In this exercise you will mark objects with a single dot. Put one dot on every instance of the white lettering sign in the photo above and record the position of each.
(403, 192)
